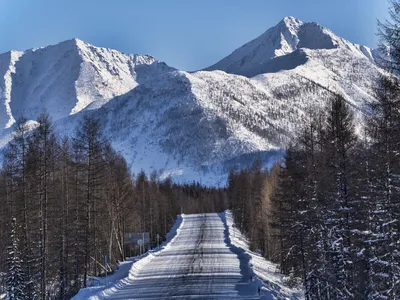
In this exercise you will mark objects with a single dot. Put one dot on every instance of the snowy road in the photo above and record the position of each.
(198, 263)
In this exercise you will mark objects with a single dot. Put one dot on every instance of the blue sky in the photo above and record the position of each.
(186, 34)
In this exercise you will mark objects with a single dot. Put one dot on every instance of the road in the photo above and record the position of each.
(199, 263)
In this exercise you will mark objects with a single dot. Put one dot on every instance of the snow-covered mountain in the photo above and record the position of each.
(259, 55)
(191, 126)
(64, 79)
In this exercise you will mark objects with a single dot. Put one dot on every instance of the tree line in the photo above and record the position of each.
(329, 214)
(68, 202)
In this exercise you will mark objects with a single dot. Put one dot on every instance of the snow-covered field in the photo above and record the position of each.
(201, 261)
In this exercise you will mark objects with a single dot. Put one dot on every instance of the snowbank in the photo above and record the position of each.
(265, 272)
(127, 270)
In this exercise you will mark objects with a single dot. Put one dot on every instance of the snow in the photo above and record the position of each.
(105, 74)
(268, 273)
(190, 126)
(200, 261)
(65, 78)
(276, 41)
(126, 268)
(285, 38)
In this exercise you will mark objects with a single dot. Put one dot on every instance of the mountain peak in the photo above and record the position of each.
(78, 42)
(291, 22)
(66, 45)
(289, 35)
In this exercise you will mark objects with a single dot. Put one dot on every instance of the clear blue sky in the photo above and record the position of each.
(186, 34)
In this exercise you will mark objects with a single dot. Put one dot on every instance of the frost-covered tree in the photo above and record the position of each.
(15, 278)
(389, 33)
(340, 140)
(384, 242)
(313, 205)
(384, 166)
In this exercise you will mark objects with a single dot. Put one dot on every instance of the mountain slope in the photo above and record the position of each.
(191, 126)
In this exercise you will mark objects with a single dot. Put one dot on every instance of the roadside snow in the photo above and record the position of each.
(267, 273)
(126, 270)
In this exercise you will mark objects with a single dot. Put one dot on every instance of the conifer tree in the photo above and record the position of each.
(384, 128)
(89, 145)
(43, 155)
(340, 141)
(15, 280)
